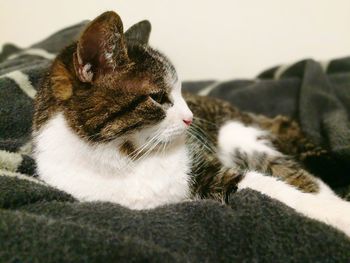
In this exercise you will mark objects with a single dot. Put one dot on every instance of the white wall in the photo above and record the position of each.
(205, 39)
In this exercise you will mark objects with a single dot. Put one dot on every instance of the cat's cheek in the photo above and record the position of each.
(171, 117)
(178, 114)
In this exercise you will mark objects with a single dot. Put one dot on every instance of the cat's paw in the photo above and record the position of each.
(234, 137)
(334, 212)
(229, 179)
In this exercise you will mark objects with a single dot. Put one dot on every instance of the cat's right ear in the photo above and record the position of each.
(101, 48)
(139, 33)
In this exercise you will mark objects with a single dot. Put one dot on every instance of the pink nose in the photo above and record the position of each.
(187, 121)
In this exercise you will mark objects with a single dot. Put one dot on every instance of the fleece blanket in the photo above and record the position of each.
(41, 224)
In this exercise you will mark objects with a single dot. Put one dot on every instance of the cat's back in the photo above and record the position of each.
(214, 110)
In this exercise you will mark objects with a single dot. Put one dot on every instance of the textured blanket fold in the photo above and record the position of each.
(41, 224)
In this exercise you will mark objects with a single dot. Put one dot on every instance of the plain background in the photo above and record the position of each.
(205, 39)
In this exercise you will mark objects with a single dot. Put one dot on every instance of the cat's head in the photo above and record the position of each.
(112, 85)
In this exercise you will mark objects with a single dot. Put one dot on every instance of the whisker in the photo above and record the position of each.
(155, 138)
(146, 144)
(202, 144)
(206, 121)
(148, 152)
(163, 148)
(205, 142)
(195, 126)
(199, 131)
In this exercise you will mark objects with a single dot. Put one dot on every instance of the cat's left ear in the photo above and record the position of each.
(139, 33)
(101, 48)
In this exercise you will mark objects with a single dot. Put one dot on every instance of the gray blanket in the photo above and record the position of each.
(41, 224)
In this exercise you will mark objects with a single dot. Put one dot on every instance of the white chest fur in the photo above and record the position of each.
(101, 173)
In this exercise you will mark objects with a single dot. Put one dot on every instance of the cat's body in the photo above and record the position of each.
(111, 125)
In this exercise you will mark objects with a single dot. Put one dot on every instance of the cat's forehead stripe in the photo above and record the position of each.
(169, 68)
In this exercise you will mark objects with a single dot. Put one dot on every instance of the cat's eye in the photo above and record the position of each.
(159, 97)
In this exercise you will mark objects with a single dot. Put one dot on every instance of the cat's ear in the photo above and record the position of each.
(139, 33)
(101, 48)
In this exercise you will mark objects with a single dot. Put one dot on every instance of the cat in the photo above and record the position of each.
(112, 124)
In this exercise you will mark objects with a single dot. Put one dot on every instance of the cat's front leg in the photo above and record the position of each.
(250, 148)
(326, 208)
(212, 180)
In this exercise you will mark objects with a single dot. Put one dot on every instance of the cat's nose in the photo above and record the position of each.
(188, 121)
